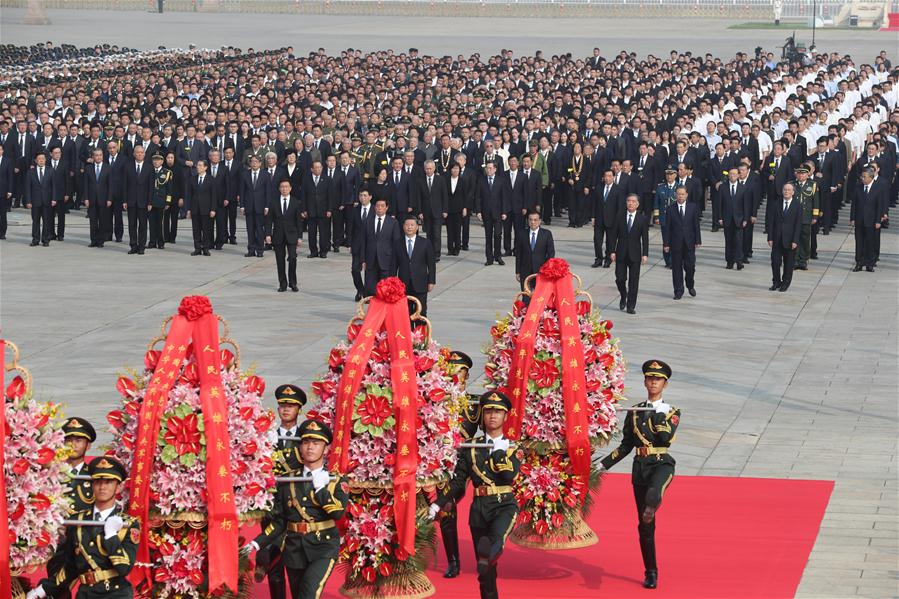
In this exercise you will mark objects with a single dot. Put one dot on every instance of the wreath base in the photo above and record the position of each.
(576, 533)
(411, 584)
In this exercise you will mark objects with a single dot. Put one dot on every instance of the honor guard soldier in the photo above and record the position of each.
(79, 436)
(365, 159)
(291, 400)
(649, 433)
(302, 520)
(492, 471)
(98, 557)
(807, 193)
(471, 418)
(160, 201)
(665, 196)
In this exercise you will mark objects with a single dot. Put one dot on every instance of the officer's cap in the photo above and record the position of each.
(656, 368)
(802, 169)
(313, 429)
(106, 467)
(494, 400)
(460, 358)
(290, 394)
(158, 156)
(79, 427)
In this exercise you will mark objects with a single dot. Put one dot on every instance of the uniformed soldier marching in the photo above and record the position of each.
(98, 557)
(492, 471)
(665, 196)
(649, 433)
(160, 201)
(807, 192)
(471, 418)
(291, 400)
(302, 520)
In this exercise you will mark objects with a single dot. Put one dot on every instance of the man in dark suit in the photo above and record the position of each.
(138, 194)
(219, 175)
(649, 175)
(533, 249)
(869, 204)
(190, 151)
(361, 217)
(606, 209)
(381, 234)
(349, 195)
(734, 210)
(25, 147)
(630, 250)
(517, 216)
(254, 206)
(825, 177)
(285, 217)
(401, 185)
(115, 225)
(432, 205)
(38, 197)
(200, 199)
(492, 207)
(416, 263)
(751, 183)
(234, 172)
(783, 239)
(779, 172)
(96, 197)
(681, 238)
(62, 191)
(7, 190)
(318, 204)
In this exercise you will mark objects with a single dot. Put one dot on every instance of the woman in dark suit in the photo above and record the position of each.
(379, 189)
(294, 175)
(459, 197)
(578, 179)
(170, 216)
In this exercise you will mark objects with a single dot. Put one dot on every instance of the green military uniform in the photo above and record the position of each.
(250, 152)
(160, 201)
(809, 204)
(286, 460)
(665, 196)
(494, 509)
(302, 525)
(100, 564)
(650, 434)
(365, 161)
(80, 491)
(468, 427)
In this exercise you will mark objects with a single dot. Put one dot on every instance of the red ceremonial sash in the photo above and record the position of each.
(554, 284)
(388, 309)
(5, 580)
(194, 321)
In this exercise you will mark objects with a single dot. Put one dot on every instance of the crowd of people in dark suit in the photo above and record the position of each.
(313, 148)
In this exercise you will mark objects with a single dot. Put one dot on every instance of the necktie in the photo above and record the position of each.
(681, 210)
(201, 180)
(776, 163)
(642, 161)
(866, 189)
(786, 206)
(137, 168)
(40, 174)
(271, 172)
(255, 174)
(98, 172)
(490, 182)
(605, 193)
(409, 248)
(111, 160)
(630, 221)
(190, 144)
(345, 169)
(378, 228)
(55, 163)
(331, 172)
(733, 189)
(533, 239)
(430, 180)
(408, 170)
(364, 213)
(315, 180)
(396, 178)
(98, 516)
(214, 168)
(284, 205)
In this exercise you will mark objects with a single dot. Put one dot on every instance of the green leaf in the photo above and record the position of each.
(202, 454)
(188, 460)
(168, 454)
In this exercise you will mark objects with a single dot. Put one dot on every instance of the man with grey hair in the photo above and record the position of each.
(784, 233)
(432, 201)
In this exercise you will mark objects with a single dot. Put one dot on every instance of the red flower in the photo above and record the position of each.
(263, 423)
(151, 359)
(160, 575)
(554, 269)
(40, 502)
(194, 307)
(600, 337)
(115, 419)
(132, 408)
(524, 517)
(191, 375)
(557, 520)
(570, 500)
(16, 389)
(518, 308)
(238, 467)
(590, 356)
(125, 387)
(607, 324)
(17, 513)
(352, 331)
(551, 327)
(20, 467)
(400, 553)
(226, 358)
(368, 573)
(531, 430)
(390, 290)
(423, 363)
(43, 539)
(336, 358)
(607, 360)
(323, 389)
(607, 394)
(249, 448)
(183, 434)
(385, 569)
(255, 384)
(196, 577)
(374, 410)
(541, 527)
(437, 395)
(544, 372)
(355, 510)
(45, 455)
(253, 489)
(583, 308)
(494, 332)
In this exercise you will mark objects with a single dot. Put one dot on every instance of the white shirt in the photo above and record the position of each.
(104, 514)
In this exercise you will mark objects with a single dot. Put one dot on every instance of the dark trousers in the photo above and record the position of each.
(453, 233)
(154, 216)
(319, 234)
(308, 582)
(356, 272)
(231, 210)
(433, 229)
(58, 220)
(496, 530)
(170, 222)
(782, 260)
(449, 531)
(547, 204)
(747, 239)
(4, 206)
(338, 227)
(115, 223)
(647, 205)
(716, 211)
(422, 299)
(601, 231)
(824, 201)
(865, 244)
(255, 232)
(41, 223)
(466, 229)
(137, 227)
(97, 216)
(648, 491)
(683, 266)
(286, 260)
(805, 245)
(373, 275)
(493, 237)
(628, 271)
(221, 227)
(202, 226)
(733, 243)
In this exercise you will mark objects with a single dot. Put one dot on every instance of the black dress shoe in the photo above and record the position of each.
(464, 248)
(358, 297)
(282, 289)
(336, 249)
(152, 246)
(132, 251)
(312, 255)
(323, 255)
(826, 231)
(161, 246)
(294, 288)
(784, 287)
(217, 247)
(507, 253)
(452, 569)
(140, 252)
(196, 253)
(250, 255)
(99, 245)
(774, 287)
(45, 243)
(677, 296)
(118, 240)
(714, 229)
(607, 264)
(692, 291)
(488, 263)
(739, 266)
(857, 268)
(746, 260)
(596, 264)
(622, 304)
(869, 268)
(631, 311)
(259, 254)
(437, 259)
(232, 241)
(34, 243)
(651, 579)
(500, 261)
(206, 253)
(729, 266)
(814, 256)
(268, 246)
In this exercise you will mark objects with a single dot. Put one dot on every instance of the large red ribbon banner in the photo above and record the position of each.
(195, 323)
(554, 287)
(388, 310)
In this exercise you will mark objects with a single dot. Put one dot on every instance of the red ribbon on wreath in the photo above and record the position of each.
(554, 284)
(194, 322)
(5, 579)
(388, 310)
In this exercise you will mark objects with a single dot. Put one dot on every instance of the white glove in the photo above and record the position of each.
(500, 445)
(249, 548)
(320, 479)
(36, 593)
(112, 526)
(433, 511)
(661, 407)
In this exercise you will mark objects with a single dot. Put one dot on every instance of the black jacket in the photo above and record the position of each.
(493, 201)
(138, 190)
(253, 198)
(420, 270)
(681, 233)
(785, 227)
(606, 210)
(317, 199)
(285, 225)
(631, 246)
(432, 203)
(200, 198)
(527, 261)
(379, 250)
(39, 193)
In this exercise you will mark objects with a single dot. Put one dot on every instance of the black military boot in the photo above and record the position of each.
(651, 580)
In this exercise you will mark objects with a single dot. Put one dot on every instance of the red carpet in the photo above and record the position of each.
(715, 537)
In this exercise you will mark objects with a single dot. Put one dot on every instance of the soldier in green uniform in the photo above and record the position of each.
(650, 434)
(302, 520)
(287, 459)
(256, 149)
(492, 471)
(160, 201)
(79, 436)
(365, 158)
(471, 417)
(807, 192)
(99, 557)
(665, 196)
